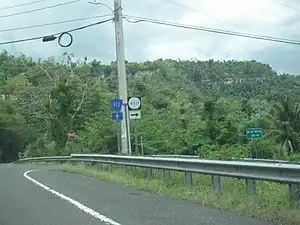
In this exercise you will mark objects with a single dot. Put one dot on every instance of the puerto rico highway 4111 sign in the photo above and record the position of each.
(134, 108)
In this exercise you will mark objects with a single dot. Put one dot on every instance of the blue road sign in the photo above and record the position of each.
(117, 116)
(116, 104)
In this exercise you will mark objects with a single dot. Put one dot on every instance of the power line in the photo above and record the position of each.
(149, 20)
(20, 5)
(211, 30)
(54, 23)
(284, 4)
(58, 33)
(197, 11)
(39, 9)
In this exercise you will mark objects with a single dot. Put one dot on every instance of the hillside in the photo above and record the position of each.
(189, 107)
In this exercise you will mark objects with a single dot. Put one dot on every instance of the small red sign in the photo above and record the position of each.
(71, 134)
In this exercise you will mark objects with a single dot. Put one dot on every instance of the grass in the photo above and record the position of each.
(271, 201)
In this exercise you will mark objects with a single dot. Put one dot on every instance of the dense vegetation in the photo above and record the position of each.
(189, 107)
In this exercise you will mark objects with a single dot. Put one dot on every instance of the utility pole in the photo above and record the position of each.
(125, 131)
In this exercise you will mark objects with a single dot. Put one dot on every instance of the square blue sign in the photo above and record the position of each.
(116, 104)
(117, 116)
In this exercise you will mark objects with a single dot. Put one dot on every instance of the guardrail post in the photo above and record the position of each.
(166, 175)
(294, 192)
(216, 183)
(188, 178)
(250, 186)
(99, 167)
(149, 173)
(106, 167)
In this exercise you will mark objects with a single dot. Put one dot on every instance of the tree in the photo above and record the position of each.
(181, 114)
(286, 124)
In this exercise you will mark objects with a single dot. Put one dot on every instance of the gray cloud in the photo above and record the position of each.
(145, 41)
(283, 59)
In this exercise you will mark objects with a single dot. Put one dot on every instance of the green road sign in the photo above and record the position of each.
(254, 133)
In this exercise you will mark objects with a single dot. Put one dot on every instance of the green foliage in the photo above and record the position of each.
(189, 107)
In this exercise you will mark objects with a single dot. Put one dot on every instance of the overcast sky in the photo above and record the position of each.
(145, 41)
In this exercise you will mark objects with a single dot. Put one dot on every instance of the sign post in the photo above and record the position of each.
(134, 107)
(71, 137)
(254, 134)
(117, 115)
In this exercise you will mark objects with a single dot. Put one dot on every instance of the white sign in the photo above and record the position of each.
(134, 114)
(134, 103)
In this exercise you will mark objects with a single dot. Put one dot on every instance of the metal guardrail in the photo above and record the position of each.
(177, 156)
(231, 159)
(250, 171)
(45, 159)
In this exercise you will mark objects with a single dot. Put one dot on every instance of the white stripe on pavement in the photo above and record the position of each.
(82, 207)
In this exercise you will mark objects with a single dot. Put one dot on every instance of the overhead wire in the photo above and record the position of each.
(39, 9)
(56, 34)
(211, 30)
(21, 5)
(286, 5)
(148, 20)
(197, 11)
(51, 24)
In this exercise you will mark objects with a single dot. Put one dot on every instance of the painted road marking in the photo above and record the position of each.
(82, 207)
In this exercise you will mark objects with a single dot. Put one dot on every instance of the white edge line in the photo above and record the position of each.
(82, 207)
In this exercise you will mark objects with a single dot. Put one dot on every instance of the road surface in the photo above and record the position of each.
(33, 195)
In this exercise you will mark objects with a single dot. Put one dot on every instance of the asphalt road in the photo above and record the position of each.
(45, 196)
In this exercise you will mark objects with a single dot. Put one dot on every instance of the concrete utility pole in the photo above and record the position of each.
(125, 131)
